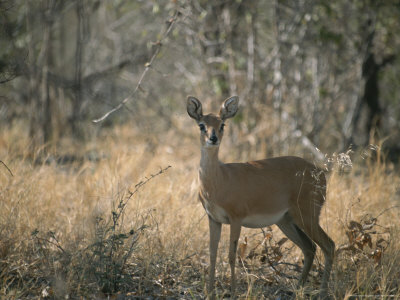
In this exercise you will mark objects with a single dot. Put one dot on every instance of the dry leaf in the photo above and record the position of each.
(242, 248)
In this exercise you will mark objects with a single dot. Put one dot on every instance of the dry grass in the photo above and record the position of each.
(71, 227)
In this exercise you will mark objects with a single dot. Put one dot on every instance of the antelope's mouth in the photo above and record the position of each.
(210, 143)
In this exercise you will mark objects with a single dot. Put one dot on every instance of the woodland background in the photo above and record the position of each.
(83, 213)
(318, 71)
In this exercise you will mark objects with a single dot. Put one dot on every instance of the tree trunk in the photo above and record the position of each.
(371, 94)
(46, 101)
(34, 82)
(370, 97)
(76, 116)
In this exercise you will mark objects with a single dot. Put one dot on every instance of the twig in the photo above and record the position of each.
(123, 203)
(57, 244)
(280, 273)
(7, 168)
(148, 65)
(147, 179)
(385, 210)
(188, 256)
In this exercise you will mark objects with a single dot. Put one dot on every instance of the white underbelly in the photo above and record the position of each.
(218, 214)
(262, 220)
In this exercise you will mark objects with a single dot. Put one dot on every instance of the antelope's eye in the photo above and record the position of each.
(202, 127)
(222, 127)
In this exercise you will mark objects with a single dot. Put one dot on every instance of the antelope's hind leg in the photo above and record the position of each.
(297, 236)
(319, 236)
(308, 204)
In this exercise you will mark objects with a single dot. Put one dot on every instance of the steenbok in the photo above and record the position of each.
(287, 191)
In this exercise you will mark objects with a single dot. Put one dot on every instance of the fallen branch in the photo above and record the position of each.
(148, 65)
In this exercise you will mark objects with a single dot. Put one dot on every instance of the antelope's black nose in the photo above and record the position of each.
(213, 138)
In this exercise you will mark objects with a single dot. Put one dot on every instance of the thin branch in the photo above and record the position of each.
(143, 182)
(48, 241)
(122, 204)
(148, 65)
(8, 77)
(385, 210)
(7, 168)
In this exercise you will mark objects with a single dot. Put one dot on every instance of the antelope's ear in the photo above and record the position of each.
(194, 108)
(229, 108)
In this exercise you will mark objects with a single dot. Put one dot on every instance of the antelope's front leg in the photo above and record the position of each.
(215, 235)
(233, 243)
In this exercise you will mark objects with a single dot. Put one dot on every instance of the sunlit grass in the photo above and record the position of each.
(51, 212)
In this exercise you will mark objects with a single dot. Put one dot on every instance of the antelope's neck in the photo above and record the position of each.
(210, 170)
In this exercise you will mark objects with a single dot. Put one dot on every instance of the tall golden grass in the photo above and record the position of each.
(112, 220)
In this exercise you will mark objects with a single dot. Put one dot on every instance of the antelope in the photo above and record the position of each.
(287, 191)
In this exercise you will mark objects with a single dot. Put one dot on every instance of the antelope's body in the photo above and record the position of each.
(286, 191)
(223, 188)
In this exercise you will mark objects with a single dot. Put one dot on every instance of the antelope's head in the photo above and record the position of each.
(211, 125)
